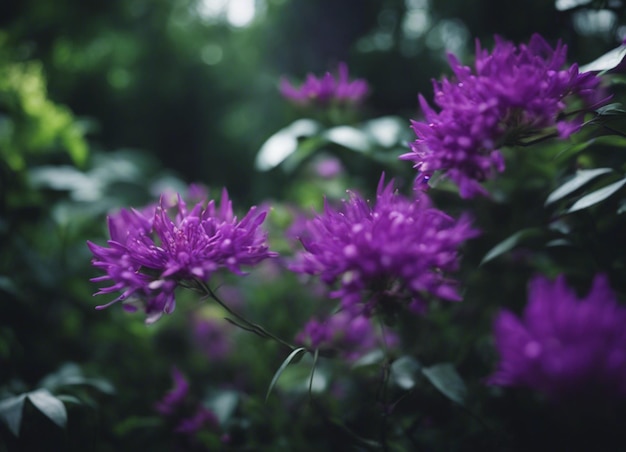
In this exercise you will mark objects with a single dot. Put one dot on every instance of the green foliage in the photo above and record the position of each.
(196, 98)
(30, 123)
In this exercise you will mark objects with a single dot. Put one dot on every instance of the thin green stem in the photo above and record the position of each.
(242, 322)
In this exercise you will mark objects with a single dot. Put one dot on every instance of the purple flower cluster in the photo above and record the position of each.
(327, 89)
(564, 346)
(152, 252)
(177, 405)
(511, 94)
(351, 336)
(397, 251)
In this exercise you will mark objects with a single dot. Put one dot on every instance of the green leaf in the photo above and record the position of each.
(597, 196)
(305, 148)
(284, 143)
(404, 371)
(510, 243)
(49, 405)
(223, 404)
(606, 62)
(581, 178)
(446, 379)
(11, 410)
(66, 398)
(70, 374)
(614, 109)
(282, 367)
(67, 371)
(350, 138)
(7, 285)
(371, 358)
(313, 366)
(387, 131)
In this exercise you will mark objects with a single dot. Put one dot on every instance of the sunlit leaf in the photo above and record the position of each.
(510, 243)
(49, 405)
(606, 62)
(581, 178)
(11, 410)
(564, 5)
(284, 143)
(387, 131)
(405, 371)
(446, 379)
(597, 196)
(349, 137)
(223, 404)
(305, 149)
(282, 367)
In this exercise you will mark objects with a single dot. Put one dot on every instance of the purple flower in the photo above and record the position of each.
(201, 419)
(352, 336)
(149, 256)
(177, 405)
(328, 167)
(322, 91)
(175, 398)
(511, 94)
(564, 346)
(397, 251)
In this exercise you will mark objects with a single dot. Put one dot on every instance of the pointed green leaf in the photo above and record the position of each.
(284, 143)
(371, 358)
(404, 371)
(305, 149)
(606, 62)
(101, 384)
(282, 367)
(350, 138)
(223, 404)
(597, 196)
(68, 371)
(581, 178)
(70, 374)
(11, 410)
(614, 109)
(66, 398)
(49, 405)
(446, 379)
(315, 358)
(510, 243)
(387, 131)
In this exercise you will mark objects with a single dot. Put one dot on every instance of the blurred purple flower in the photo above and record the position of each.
(175, 398)
(511, 94)
(328, 167)
(149, 256)
(564, 346)
(352, 336)
(397, 251)
(177, 405)
(201, 419)
(322, 91)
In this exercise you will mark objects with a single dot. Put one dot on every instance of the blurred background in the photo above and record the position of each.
(194, 82)
(106, 103)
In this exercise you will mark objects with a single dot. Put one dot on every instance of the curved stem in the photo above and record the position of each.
(241, 322)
